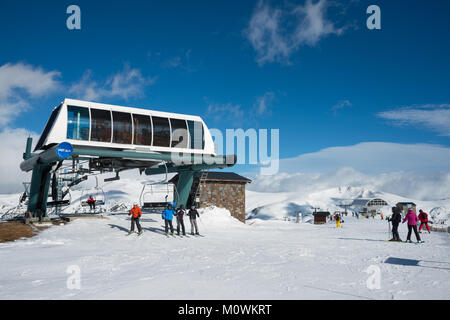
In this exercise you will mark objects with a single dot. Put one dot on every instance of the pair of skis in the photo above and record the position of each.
(184, 236)
(138, 234)
(417, 242)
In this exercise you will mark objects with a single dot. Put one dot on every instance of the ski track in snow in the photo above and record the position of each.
(267, 260)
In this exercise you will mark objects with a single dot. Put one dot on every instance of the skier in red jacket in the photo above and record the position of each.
(423, 217)
(91, 203)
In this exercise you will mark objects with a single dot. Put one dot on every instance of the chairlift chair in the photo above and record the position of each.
(97, 194)
(60, 203)
(151, 196)
(150, 192)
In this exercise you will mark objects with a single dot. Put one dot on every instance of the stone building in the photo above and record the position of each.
(220, 189)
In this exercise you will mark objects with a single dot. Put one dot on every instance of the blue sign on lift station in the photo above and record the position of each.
(64, 150)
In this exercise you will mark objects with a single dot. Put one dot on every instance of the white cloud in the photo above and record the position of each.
(180, 61)
(269, 33)
(373, 157)
(431, 116)
(172, 62)
(236, 115)
(125, 84)
(341, 105)
(420, 186)
(313, 24)
(226, 112)
(263, 104)
(86, 88)
(265, 34)
(13, 142)
(418, 171)
(21, 81)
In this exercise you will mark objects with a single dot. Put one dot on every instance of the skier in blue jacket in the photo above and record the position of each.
(167, 216)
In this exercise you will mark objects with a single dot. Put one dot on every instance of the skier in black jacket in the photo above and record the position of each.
(193, 214)
(180, 222)
(396, 218)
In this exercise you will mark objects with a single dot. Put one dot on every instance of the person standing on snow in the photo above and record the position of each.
(395, 219)
(412, 219)
(136, 214)
(423, 217)
(338, 220)
(180, 221)
(167, 215)
(193, 214)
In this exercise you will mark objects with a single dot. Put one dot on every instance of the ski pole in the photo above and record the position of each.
(389, 232)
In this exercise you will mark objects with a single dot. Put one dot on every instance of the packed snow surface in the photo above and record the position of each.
(264, 259)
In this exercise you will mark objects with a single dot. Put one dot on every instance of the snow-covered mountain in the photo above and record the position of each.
(285, 205)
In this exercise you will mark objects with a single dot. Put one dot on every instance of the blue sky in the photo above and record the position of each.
(341, 86)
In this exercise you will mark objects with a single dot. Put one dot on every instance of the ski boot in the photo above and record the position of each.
(131, 232)
(140, 233)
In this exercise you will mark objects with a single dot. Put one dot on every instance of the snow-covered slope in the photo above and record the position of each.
(266, 260)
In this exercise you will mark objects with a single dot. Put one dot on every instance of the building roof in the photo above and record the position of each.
(219, 176)
(321, 213)
(405, 203)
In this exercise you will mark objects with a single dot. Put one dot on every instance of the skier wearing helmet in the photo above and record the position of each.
(180, 222)
(167, 216)
(193, 214)
(423, 217)
(136, 214)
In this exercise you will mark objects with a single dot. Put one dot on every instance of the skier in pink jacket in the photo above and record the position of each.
(412, 219)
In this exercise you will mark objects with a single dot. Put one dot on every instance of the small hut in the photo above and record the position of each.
(405, 206)
(320, 217)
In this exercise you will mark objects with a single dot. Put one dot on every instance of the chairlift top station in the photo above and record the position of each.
(83, 123)
(115, 138)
